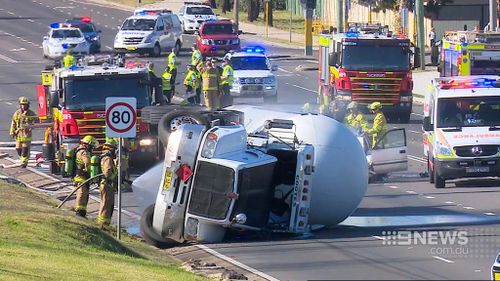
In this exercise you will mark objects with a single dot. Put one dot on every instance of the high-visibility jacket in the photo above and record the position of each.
(68, 60)
(20, 125)
(227, 76)
(192, 79)
(356, 121)
(210, 78)
(378, 129)
(172, 61)
(82, 160)
(166, 77)
(195, 56)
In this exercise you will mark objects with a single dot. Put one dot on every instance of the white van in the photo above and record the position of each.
(462, 128)
(149, 31)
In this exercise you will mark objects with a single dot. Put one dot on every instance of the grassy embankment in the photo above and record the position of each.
(40, 242)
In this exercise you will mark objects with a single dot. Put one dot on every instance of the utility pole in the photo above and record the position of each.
(308, 28)
(419, 7)
(493, 15)
(290, 26)
(236, 11)
(340, 16)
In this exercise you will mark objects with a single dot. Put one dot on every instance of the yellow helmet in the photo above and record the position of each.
(111, 142)
(90, 140)
(352, 105)
(375, 105)
(23, 100)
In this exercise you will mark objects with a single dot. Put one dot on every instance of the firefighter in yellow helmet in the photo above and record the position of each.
(210, 85)
(20, 129)
(108, 183)
(82, 159)
(354, 118)
(69, 59)
(379, 127)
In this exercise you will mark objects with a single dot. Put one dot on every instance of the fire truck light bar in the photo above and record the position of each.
(467, 83)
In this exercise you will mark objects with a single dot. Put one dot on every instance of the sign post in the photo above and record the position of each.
(121, 119)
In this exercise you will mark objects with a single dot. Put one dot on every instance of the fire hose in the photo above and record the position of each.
(78, 187)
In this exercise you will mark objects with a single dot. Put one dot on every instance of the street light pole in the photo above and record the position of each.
(236, 11)
(419, 7)
(290, 26)
(493, 15)
(340, 16)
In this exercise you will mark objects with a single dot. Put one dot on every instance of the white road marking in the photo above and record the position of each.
(284, 70)
(490, 214)
(7, 59)
(393, 186)
(449, 202)
(10, 13)
(64, 7)
(105, 15)
(378, 237)
(30, 20)
(109, 48)
(430, 197)
(411, 192)
(418, 159)
(8, 103)
(469, 208)
(112, 18)
(106, 26)
(302, 88)
(418, 114)
(18, 50)
(443, 259)
(415, 132)
(237, 263)
(312, 61)
(69, 13)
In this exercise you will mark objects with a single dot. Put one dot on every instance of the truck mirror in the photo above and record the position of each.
(332, 59)
(416, 58)
(426, 125)
(54, 99)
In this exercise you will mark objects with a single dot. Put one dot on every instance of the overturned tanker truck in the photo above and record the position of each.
(250, 168)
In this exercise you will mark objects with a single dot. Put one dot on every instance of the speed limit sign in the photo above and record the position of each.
(121, 117)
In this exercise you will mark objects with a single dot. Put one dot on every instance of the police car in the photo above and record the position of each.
(150, 31)
(253, 75)
(193, 14)
(61, 37)
(90, 32)
(495, 269)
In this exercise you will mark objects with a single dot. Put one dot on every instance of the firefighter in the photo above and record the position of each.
(20, 129)
(108, 182)
(355, 119)
(227, 78)
(82, 159)
(196, 55)
(172, 67)
(192, 84)
(210, 85)
(166, 78)
(69, 59)
(379, 127)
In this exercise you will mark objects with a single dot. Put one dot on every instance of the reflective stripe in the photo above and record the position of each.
(80, 208)
(166, 78)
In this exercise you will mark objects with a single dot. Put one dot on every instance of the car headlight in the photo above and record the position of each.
(443, 149)
(206, 42)
(209, 146)
(146, 142)
(270, 80)
(148, 39)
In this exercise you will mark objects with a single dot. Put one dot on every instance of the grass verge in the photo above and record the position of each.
(41, 242)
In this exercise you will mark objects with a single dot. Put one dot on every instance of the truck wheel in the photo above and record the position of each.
(429, 171)
(439, 182)
(271, 99)
(172, 120)
(149, 234)
(156, 52)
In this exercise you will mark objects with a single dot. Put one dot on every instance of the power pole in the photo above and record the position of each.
(493, 15)
(340, 16)
(236, 11)
(419, 7)
(308, 27)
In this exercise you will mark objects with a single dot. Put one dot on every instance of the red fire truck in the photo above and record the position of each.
(72, 101)
(365, 65)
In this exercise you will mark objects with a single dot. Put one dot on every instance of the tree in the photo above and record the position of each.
(226, 6)
(253, 9)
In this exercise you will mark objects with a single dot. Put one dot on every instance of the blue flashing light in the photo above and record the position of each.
(257, 50)
(65, 46)
(73, 67)
(54, 25)
(352, 34)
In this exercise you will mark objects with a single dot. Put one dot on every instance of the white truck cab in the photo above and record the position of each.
(149, 31)
(462, 128)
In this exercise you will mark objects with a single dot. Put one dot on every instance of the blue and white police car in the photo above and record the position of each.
(61, 37)
(89, 30)
(253, 75)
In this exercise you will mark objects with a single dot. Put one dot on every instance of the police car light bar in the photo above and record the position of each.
(468, 83)
(86, 19)
(144, 12)
(59, 25)
(257, 50)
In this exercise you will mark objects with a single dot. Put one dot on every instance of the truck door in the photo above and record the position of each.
(390, 153)
(180, 156)
(301, 194)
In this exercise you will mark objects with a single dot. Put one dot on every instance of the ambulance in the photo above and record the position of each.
(462, 128)
(470, 53)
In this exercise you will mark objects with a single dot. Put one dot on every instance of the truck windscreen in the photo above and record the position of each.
(375, 58)
(468, 112)
(91, 94)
